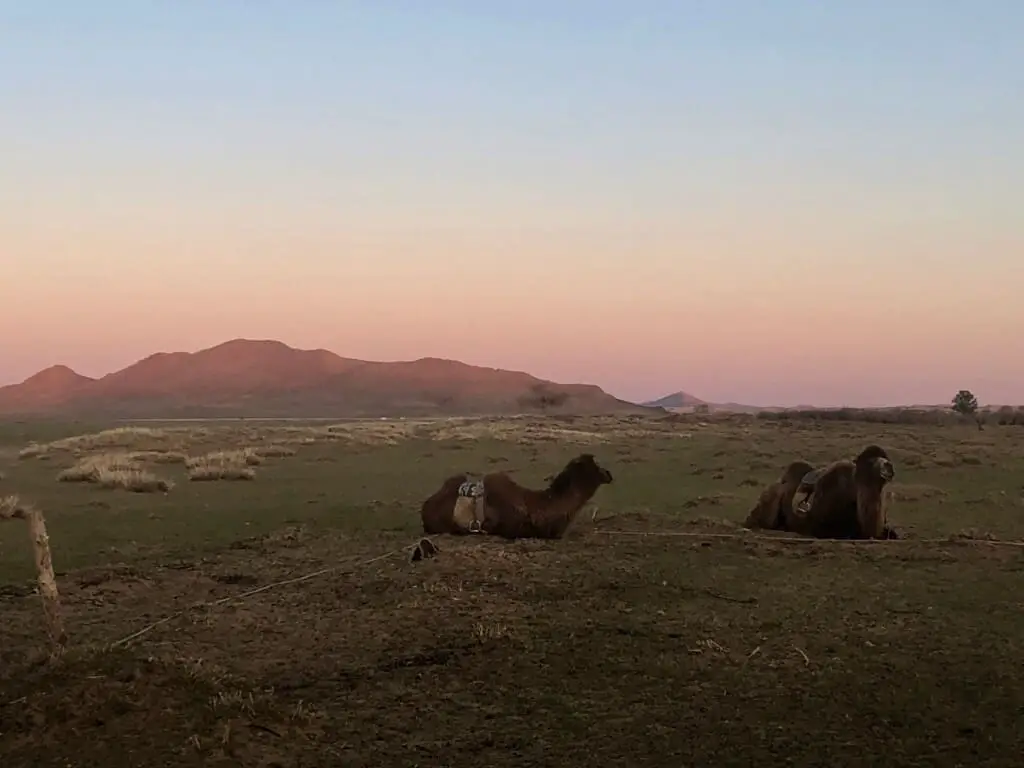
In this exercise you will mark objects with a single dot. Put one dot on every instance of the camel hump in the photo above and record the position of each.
(472, 488)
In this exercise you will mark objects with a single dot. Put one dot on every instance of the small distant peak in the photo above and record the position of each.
(248, 343)
(59, 370)
(58, 373)
(678, 399)
(437, 361)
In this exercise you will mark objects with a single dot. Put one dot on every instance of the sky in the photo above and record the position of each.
(778, 203)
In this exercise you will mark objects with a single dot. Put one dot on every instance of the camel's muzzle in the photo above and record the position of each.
(606, 476)
(886, 470)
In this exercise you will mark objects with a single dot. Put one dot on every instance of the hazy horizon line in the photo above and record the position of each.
(629, 399)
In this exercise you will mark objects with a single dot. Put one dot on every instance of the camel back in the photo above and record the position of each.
(469, 506)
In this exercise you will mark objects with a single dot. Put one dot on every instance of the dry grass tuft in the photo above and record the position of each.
(115, 471)
(10, 506)
(224, 465)
(31, 451)
(522, 430)
(213, 471)
(159, 457)
(87, 470)
(172, 444)
(135, 480)
(484, 632)
(518, 431)
(239, 457)
(374, 432)
(142, 439)
(275, 451)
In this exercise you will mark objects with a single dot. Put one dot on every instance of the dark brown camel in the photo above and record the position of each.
(504, 508)
(848, 499)
(774, 509)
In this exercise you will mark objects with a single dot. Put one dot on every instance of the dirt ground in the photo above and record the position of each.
(659, 633)
(609, 649)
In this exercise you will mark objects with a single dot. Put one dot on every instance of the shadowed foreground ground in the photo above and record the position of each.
(622, 651)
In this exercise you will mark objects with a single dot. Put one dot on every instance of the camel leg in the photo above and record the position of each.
(478, 516)
(468, 514)
(463, 516)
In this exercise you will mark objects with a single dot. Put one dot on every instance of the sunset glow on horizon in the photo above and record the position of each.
(765, 203)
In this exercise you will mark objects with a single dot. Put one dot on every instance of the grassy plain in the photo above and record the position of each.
(657, 633)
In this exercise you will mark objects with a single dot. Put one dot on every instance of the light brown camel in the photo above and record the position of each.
(774, 508)
(848, 499)
(496, 504)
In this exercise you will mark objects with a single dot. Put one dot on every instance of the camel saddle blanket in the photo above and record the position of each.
(469, 506)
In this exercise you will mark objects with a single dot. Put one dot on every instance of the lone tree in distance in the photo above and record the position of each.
(965, 403)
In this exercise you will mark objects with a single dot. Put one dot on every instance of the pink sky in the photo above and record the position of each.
(640, 314)
(559, 189)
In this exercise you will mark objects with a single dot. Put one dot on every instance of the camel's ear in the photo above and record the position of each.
(583, 460)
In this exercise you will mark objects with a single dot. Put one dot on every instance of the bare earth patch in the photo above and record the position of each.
(699, 642)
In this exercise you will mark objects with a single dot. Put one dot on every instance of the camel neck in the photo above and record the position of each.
(577, 491)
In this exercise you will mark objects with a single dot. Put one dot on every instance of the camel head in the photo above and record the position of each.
(809, 477)
(587, 467)
(581, 471)
(873, 464)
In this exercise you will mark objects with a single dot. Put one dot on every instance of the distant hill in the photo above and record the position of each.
(46, 389)
(268, 378)
(680, 400)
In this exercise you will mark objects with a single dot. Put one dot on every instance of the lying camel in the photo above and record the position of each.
(496, 504)
(774, 509)
(847, 500)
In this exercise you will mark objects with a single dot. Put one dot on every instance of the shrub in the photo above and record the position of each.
(212, 470)
(115, 470)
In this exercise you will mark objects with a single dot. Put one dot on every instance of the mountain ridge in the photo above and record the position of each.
(265, 377)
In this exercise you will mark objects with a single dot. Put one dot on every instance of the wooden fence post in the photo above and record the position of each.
(12, 508)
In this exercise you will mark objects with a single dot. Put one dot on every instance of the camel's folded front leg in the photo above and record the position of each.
(468, 514)
(479, 510)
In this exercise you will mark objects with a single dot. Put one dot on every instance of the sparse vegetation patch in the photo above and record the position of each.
(224, 465)
(88, 470)
(133, 479)
(240, 457)
(275, 451)
(115, 471)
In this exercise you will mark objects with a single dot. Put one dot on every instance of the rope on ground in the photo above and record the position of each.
(249, 593)
(806, 539)
(746, 536)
